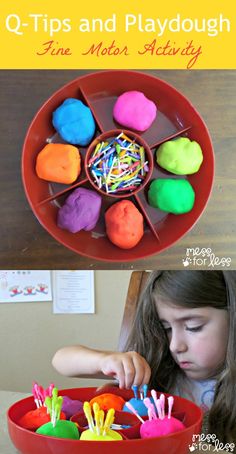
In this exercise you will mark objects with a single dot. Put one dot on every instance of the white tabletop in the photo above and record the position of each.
(7, 398)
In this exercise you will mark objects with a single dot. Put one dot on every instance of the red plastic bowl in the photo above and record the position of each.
(31, 443)
(175, 117)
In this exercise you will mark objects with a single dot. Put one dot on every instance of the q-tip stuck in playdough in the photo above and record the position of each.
(59, 163)
(74, 121)
(33, 419)
(99, 427)
(137, 401)
(80, 211)
(171, 195)
(158, 423)
(56, 427)
(180, 156)
(124, 224)
(134, 110)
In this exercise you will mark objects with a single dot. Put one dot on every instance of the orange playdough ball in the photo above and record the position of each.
(124, 224)
(107, 401)
(34, 419)
(59, 163)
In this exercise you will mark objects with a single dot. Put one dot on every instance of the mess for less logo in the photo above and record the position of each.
(204, 257)
(205, 443)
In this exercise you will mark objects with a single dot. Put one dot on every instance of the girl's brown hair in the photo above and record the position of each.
(189, 289)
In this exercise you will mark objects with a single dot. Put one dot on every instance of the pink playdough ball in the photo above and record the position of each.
(159, 427)
(133, 110)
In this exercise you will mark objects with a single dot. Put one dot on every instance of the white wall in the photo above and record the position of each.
(30, 334)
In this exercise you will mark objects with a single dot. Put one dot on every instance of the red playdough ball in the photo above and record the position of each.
(107, 401)
(34, 419)
(159, 427)
(124, 224)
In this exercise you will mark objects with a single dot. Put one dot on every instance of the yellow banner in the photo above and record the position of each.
(176, 34)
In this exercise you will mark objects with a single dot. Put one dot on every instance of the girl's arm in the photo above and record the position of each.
(128, 368)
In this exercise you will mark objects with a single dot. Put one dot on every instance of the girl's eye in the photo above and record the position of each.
(167, 328)
(194, 328)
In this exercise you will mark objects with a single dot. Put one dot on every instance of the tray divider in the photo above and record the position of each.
(172, 136)
(100, 127)
(148, 220)
(58, 194)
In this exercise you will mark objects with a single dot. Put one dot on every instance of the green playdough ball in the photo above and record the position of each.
(172, 196)
(180, 156)
(63, 429)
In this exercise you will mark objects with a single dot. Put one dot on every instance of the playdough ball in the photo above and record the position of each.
(62, 429)
(90, 436)
(70, 406)
(59, 163)
(80, 211)
(32, 420)
(124, 224)
(138, 405)
(74, 122)
(180, 156)
(159, 427)
(172, 196)
(133, 110)
(107, 401)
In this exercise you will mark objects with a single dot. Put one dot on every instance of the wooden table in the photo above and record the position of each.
(23, 241)
(7, 398)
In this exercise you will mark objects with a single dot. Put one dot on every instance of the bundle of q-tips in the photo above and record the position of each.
(98, 424)
(119, 165)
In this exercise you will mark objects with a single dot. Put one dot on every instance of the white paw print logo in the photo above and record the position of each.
(186, 261)
(192, 447)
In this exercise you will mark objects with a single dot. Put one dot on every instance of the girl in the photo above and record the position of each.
(183, 341)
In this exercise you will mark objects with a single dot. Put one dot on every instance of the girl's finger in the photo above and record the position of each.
(129, 370)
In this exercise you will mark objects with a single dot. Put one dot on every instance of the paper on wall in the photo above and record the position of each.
(73, 292)
(20, 286)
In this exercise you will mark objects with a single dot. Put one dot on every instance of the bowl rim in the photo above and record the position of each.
(135, 440)
(95, 256)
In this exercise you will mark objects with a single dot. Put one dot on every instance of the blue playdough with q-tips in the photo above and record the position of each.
(74, 122)
(137, 402)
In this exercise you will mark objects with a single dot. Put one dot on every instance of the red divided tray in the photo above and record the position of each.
(28, 442)
(176, 117)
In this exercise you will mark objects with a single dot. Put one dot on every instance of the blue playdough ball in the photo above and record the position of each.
(74, 122)
(138, 405)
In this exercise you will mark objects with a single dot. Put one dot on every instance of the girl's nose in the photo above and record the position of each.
(177, 343)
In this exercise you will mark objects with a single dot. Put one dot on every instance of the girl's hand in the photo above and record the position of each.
(128, 368)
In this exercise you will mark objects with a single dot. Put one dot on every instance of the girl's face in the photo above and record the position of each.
(197, 338)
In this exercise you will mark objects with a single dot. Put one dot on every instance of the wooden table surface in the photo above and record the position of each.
(23, 241)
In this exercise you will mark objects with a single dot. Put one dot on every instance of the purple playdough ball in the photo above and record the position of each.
(80, 211)
(133, 110)
(70, 407)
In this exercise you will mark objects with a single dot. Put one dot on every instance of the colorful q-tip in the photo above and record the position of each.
(145, 390)
(54, 405)
(151, 409)
(135, 391)
(170, 405)
(132, 409)
(88, 414)
(100, 425)
(40, 393)
(118, 166)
